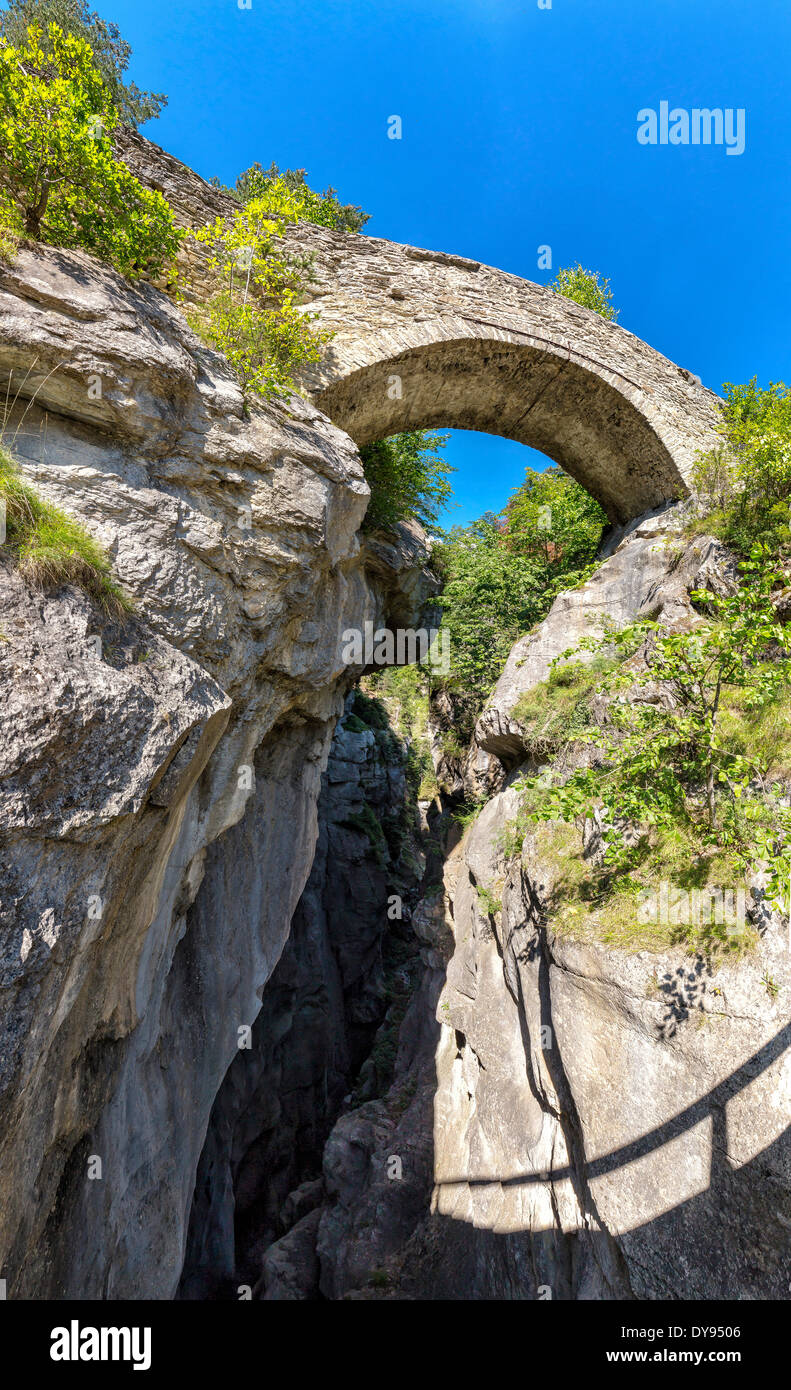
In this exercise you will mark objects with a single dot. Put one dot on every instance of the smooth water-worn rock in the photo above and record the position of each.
(638, 1103)
(348, 955)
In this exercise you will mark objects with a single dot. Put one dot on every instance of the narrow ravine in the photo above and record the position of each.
(331, 1030)
(441, 1101)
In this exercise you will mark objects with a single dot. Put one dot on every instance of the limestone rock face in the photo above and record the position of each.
(134, 948)
(648, 575)
(585, 1122)
(634, 1108)
(343, 963)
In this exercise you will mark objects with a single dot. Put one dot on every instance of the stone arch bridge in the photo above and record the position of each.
(422, 339)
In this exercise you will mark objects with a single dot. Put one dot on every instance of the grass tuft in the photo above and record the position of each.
(552, 711)
(49, 547)
(598, 904)
(762, 735)
(9, 244)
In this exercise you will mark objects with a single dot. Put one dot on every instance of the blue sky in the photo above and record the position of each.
(519, 130)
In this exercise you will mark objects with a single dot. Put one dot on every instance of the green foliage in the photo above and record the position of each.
(401, 692)
(367, 822)
(323, 209)
(451, 745)
(503, 572)
(408, 477)
(552, 519)
(402, 696)
(48, 547)
(59, 181)
(370, 712)
(265, 346)
(669, 763)
(354, 725)
(763, 735)
(585, 287)
(489, 902)
(491, 594)
(254, 318)
(713, 475)
(747, 481)
(9, 244)
(466, 812)
(111, 53)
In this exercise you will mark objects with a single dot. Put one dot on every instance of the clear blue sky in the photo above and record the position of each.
(519, 129)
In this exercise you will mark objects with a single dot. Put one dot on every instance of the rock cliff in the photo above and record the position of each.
(323, 1038)
(133, 947)
(588, 1122)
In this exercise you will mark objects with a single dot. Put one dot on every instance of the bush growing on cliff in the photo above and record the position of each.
(585, 287)
(111, 53)
(59, 181)
(491, 595)
(48, 546)
(323, 209)
(551, 713)
(687, 762)
(402, 692)
(254, 316)
(747, 481)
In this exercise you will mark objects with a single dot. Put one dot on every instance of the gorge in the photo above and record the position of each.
(324, 1038)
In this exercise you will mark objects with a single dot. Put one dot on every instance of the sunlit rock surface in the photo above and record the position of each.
(133, 948)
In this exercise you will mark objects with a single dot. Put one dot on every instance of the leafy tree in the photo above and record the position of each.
(111, 53)
(407, 478)
(59, 181)
(503, 572)
(585, 287)
(747, 480)
(491, 594)
(552, 518)
(665, 762)
(323, 209)
(254, 317)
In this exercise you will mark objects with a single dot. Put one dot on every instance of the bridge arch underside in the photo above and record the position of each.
(594, 425)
